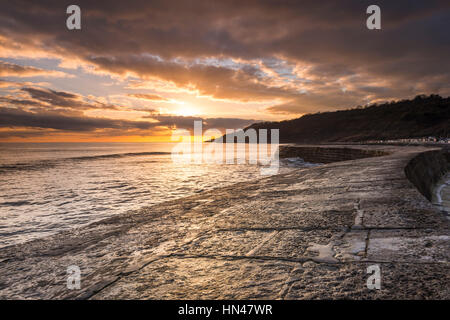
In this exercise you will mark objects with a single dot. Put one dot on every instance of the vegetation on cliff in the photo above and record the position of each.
(422, 116)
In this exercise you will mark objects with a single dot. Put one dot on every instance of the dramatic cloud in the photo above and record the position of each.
(284, 58)
(49, 109)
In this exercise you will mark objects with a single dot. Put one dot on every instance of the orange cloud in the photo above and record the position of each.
(15, 70)
(145, 96)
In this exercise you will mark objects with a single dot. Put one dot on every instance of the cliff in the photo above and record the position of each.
(421, 117)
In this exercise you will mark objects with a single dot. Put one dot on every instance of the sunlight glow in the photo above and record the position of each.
(186, 110)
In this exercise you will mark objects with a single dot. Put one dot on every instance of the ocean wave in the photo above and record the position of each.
(116, 155)
(14, 203)
(297, 162)
(45, 164)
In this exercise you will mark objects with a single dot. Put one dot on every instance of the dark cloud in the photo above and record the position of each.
(52, 99)
(15, 70)
(11, 117)
(208, 123)
(19, 118)
(19, 102)
(23, 134)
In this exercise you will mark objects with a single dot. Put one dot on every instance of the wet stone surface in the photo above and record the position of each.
(308, 234)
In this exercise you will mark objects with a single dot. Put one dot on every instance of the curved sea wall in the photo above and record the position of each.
(328, 154)
(426, 170)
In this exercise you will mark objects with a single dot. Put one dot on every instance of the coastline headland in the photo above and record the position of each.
(308, 234)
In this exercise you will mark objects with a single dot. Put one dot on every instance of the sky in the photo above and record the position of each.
(138, 70)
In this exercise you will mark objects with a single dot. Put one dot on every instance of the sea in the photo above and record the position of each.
(49, 187)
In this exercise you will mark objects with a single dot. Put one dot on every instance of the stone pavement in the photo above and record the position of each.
(307, 234)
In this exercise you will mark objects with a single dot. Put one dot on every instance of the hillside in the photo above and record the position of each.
(421, 117)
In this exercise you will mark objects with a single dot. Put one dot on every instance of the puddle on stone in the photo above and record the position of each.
(325, 252)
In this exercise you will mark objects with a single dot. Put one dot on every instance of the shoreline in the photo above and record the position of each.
(260, 239)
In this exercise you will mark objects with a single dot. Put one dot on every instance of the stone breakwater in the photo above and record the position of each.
(320, 154)
(307, 234)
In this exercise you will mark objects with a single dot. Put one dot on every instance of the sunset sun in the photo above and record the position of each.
(186, 110)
